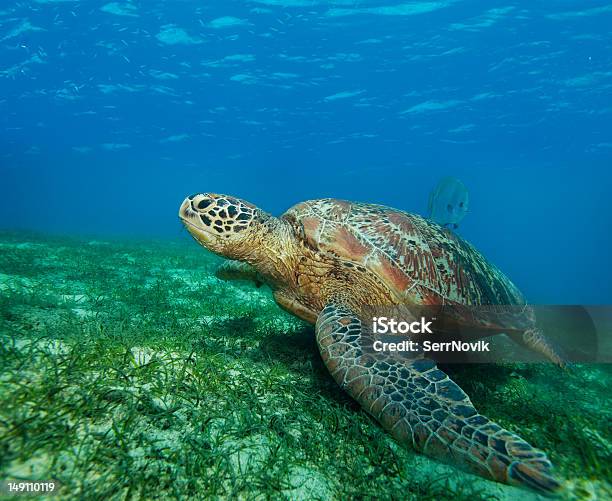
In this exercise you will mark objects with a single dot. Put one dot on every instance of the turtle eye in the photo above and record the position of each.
(449, 208)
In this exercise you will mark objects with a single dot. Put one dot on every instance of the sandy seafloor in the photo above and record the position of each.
(128, 370)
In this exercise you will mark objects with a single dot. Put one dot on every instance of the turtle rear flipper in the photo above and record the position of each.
(534, 339)
(421, 406)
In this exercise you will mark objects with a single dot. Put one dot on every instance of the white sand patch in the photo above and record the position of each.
(34, 467)
(213, 319)
(74, 298)
(190, 278)
(56, 346)
(308, 484)
(53, 346)
(247, 454)
(14, 282)
(143, 356)
(22, 245)
(83, 313)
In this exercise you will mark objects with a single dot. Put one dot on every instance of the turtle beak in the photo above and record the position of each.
(190, 218)
(185, 209)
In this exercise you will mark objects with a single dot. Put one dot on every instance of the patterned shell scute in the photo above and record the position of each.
(411, 254)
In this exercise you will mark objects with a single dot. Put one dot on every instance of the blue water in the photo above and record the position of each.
(111, 113)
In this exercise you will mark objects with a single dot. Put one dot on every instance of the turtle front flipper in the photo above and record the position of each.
(237, 270)
(420, 405)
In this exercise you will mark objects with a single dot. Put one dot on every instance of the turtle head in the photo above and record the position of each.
(224, 225)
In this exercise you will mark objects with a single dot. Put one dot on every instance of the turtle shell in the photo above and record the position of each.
(418, 259)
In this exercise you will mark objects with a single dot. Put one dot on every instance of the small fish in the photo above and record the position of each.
(448, 203)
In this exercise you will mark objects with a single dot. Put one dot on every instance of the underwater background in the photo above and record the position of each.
(128, 370)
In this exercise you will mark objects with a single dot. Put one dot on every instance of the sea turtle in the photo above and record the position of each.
(326, 259)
